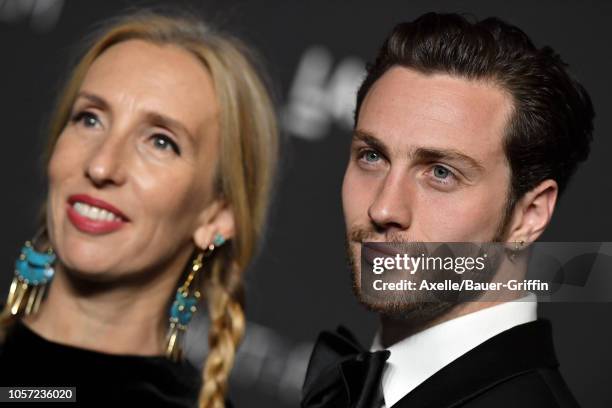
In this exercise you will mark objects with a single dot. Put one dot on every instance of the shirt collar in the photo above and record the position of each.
(418, 357)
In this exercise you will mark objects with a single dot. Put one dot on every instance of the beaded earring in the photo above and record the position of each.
(185, 304)
(33, 273)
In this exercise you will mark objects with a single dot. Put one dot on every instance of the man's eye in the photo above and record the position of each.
(441, 172)
(87, 119)
(163, 142)
(442, 176)
(369, 156)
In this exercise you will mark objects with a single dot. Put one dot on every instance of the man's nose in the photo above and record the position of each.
(391, 210)
(106, 164)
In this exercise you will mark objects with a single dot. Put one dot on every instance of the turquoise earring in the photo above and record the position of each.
(182, 310)
(185, 304)
(33, 272)
(218, 240)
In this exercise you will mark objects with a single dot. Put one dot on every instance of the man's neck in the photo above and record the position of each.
(395, 329)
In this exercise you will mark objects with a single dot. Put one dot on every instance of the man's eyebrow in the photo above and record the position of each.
(423, 154)
(435, 154)
(371, 141)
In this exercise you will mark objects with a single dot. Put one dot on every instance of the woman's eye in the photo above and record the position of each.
(87, 119)
(163, 142)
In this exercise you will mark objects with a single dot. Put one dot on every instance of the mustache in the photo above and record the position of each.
(390, 244)
(364, 234)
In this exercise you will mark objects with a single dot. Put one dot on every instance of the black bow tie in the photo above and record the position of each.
(341, 373)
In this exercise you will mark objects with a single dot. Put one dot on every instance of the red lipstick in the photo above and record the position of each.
(88, 225)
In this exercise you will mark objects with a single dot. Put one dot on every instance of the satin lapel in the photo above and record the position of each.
(341, 373)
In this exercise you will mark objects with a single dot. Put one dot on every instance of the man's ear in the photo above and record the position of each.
(217, 218)
(533, 212)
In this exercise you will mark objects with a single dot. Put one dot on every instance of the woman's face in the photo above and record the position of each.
(131, 175)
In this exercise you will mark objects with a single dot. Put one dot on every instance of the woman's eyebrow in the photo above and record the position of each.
(167, 122)
(157, 118)
(96, 99)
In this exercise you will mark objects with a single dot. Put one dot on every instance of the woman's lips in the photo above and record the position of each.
(95, 202)
(80, 206)
(84, 224)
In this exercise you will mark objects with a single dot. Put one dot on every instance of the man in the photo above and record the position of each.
(464, 132)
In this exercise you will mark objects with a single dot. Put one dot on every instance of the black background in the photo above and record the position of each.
(300, 283)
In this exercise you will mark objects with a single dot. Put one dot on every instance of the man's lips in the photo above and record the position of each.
(372, 250)
(386, 248)
(95, 202)
(378, 249)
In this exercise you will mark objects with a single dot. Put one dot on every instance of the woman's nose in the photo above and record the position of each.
(106, 165)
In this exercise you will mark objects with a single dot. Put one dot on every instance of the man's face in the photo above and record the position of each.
(427, 162)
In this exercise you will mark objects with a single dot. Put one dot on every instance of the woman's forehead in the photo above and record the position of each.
(166, 79)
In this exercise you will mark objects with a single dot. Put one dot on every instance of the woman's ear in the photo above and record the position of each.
(217, 218)
(533, 212)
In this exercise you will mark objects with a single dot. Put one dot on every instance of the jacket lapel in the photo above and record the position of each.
(516, 351)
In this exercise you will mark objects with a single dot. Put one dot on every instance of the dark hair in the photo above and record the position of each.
(551, 127)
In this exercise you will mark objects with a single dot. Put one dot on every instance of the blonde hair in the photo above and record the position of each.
(247, 160)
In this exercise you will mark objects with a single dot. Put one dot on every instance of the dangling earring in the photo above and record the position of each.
(33, 272)
(185, 304)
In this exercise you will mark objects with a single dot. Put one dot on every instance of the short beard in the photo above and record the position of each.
(416, 307)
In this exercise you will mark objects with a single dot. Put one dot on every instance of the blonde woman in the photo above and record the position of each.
(161, 156)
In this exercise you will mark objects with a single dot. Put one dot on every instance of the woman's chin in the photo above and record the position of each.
(87, 271)
(88, 258)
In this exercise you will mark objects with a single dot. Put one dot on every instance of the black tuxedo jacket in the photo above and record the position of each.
(516, 368)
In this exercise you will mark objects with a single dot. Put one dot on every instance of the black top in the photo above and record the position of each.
(26, 359)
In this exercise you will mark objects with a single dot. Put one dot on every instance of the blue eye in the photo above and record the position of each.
(370, 156)
(163, 142)
(441, 172)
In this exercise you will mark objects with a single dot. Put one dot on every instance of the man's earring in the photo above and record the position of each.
(33, 272)
(518, 246)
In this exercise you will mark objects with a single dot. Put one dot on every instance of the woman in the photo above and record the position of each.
(162, 149)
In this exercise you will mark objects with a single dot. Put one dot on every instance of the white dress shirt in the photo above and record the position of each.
(416, 358)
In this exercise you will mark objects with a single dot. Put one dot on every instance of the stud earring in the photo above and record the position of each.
(218, 240)
(518, 246)
(33, 273)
